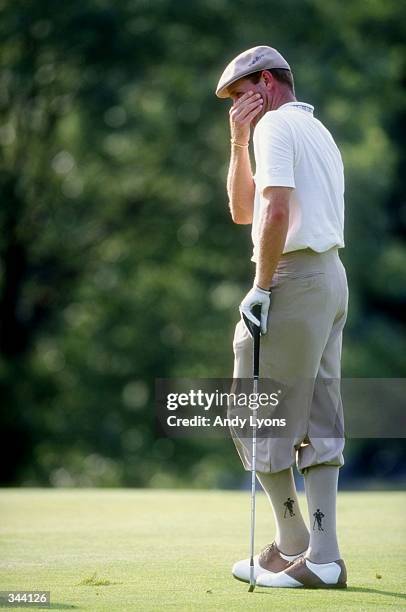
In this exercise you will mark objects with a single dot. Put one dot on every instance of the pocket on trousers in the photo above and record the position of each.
(282, 278)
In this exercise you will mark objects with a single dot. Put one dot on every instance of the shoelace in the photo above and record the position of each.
(297, 561)
(268, 550)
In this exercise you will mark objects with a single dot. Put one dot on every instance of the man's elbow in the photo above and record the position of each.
(276, 215)
(240, 217)
(277, 205)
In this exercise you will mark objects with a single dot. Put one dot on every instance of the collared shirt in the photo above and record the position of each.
(294, 149)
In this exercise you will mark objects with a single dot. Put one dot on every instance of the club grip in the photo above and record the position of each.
(256, 311)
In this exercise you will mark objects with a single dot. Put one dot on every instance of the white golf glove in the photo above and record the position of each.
(257, 296)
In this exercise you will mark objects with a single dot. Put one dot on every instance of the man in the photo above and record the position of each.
(295, 203)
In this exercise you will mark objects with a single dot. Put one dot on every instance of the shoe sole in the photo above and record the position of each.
(303, 586)
(342, 585)
(247, 580)
(240, 579)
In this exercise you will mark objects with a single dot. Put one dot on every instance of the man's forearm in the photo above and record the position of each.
(272, 238)
(240, 185)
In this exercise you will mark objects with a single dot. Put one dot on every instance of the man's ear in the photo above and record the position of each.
(267, 78)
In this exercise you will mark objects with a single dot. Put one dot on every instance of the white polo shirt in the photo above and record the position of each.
(293, 149)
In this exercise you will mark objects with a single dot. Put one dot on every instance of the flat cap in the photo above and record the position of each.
(252, 60)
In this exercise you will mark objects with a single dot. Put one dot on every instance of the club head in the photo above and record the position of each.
(252, 576)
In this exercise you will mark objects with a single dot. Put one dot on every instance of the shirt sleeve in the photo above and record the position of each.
(274, 154)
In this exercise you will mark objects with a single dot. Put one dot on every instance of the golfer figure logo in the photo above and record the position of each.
(289, 507)
(318, 516)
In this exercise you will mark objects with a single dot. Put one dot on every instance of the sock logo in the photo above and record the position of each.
(318, 517)
(289, 507)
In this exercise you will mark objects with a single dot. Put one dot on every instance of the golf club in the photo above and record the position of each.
(255, 332)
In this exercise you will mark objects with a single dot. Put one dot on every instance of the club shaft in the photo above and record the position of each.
(257, 340)
(253, 484)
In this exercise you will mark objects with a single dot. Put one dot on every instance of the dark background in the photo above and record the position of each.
(118, 260)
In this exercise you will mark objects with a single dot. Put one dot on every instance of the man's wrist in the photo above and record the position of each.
(257, 286)
(237, 143)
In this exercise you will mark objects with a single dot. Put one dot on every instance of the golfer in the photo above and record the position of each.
(295, 204)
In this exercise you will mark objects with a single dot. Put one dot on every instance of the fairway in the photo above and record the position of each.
(155, 550)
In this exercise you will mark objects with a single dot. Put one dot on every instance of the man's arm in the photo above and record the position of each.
(275, 177)
(240, 184)
(272, 234)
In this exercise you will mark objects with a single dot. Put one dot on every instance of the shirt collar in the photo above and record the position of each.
(303, 106)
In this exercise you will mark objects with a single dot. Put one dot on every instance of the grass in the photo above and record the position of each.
(149, 550)
(94, 580)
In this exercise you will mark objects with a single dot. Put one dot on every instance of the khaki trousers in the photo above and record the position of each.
(309, 297)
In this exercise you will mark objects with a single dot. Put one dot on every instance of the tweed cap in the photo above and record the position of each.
(252, 60)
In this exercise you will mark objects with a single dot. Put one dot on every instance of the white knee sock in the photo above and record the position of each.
(292, 536)
(321, 483)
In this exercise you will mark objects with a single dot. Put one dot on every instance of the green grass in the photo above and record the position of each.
(156, 550)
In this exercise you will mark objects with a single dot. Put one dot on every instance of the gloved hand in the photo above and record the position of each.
(257, 296)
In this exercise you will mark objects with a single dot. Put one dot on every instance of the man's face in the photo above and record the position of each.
(242, 86)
